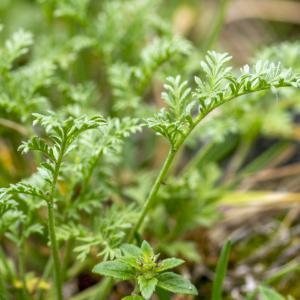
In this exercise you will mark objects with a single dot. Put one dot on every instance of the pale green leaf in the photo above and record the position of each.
(115, 269)
(169, 263)
(147, 286)
(175, 283)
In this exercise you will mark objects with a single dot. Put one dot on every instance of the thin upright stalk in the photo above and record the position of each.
(55, 253)
(104, 288)
(67, 256)
(155, 188)
(51, 228)
(22, 273)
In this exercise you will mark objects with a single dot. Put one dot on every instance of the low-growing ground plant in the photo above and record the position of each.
(86, 107)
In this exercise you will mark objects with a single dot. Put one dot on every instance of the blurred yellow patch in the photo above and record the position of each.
(6, 158)
(32, 283)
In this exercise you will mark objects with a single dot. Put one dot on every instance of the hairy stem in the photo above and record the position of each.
(55, 253)
(51, 227)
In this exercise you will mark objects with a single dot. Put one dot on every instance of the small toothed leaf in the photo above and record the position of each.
(116, 269)
(169, 263)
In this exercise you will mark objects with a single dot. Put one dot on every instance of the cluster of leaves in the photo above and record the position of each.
(19, 86)
(61, 138)
(217, 85)
(141, 264)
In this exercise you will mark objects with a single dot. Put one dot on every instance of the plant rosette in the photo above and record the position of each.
(143, 267)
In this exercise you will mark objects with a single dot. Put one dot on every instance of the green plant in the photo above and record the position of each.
(81, 89)
(218, 87)
(62, 136)
(143, 266)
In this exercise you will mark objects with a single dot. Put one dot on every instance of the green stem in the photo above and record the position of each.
(155, 188)
(67, 256)
(170, 157)
(55, 253)
(22, 273)
(51, 227)
(105, 286)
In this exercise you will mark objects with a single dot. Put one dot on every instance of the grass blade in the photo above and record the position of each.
(221, 271)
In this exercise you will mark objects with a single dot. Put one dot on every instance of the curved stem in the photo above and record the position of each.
(170, 157)
(104, 287)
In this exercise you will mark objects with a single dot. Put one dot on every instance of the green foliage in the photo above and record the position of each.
(172, 123)
(142, 265)
(108, 233)
(15, 47)
(85, 187)
(217, 85)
